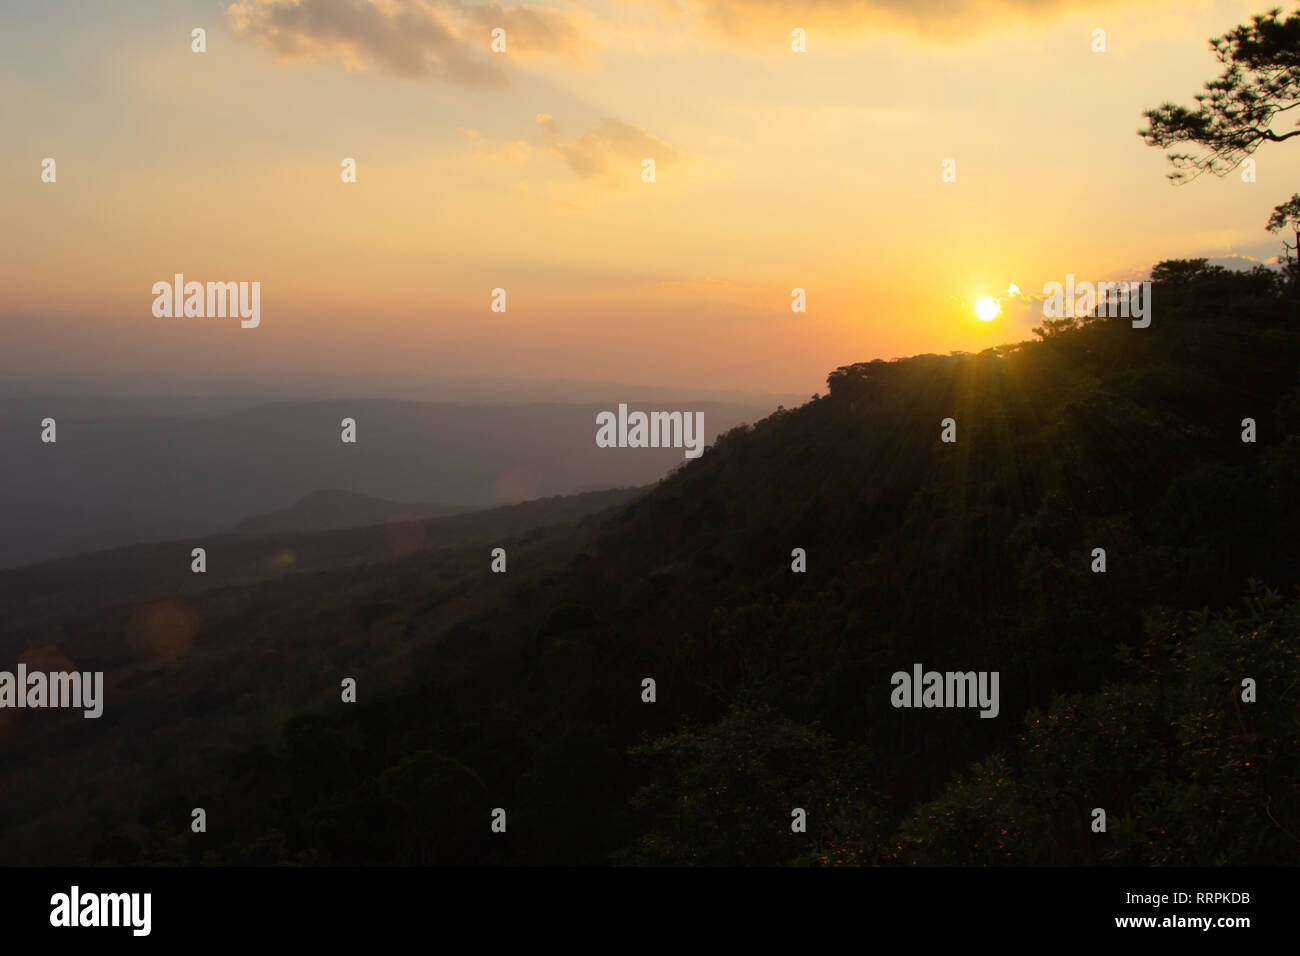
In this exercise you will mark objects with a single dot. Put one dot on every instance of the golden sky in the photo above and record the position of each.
(523, 171)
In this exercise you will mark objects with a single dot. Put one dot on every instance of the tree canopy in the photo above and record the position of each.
(1235, 114)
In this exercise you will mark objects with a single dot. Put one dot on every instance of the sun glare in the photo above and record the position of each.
(987, 309)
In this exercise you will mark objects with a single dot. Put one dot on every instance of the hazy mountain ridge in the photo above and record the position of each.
(150, 572)
(525, 690)
(330, 509)
(110, 482)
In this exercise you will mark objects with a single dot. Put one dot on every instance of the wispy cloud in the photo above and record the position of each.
(761, 21)
(437, 39)
(610, 151)
(532, 30)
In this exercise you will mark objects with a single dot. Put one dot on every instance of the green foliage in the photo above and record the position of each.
(1187, 772)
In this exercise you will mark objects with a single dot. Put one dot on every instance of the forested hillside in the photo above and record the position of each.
(1120, 690)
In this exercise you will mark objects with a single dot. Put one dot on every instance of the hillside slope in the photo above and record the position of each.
(524, 690)
(328, 509)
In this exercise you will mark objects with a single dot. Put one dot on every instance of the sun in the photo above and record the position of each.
(987, 309)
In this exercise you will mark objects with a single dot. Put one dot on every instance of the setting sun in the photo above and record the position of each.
(987, 309)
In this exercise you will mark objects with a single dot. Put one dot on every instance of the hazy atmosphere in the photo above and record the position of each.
(523, 172)
(585, 436)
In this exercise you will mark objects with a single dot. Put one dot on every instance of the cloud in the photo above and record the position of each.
(1239, 263)
(439, 39)
(612, 150)
(749, 21)
(531, 31)
(509, 154)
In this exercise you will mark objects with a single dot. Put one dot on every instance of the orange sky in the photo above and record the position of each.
(522, 171)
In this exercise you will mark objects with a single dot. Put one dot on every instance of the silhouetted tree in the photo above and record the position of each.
(1287, 216)
(1261, 78)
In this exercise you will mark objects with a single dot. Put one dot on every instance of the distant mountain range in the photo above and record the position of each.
(330, 509)
(153, 571)
(122, 473)
(664, 675)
